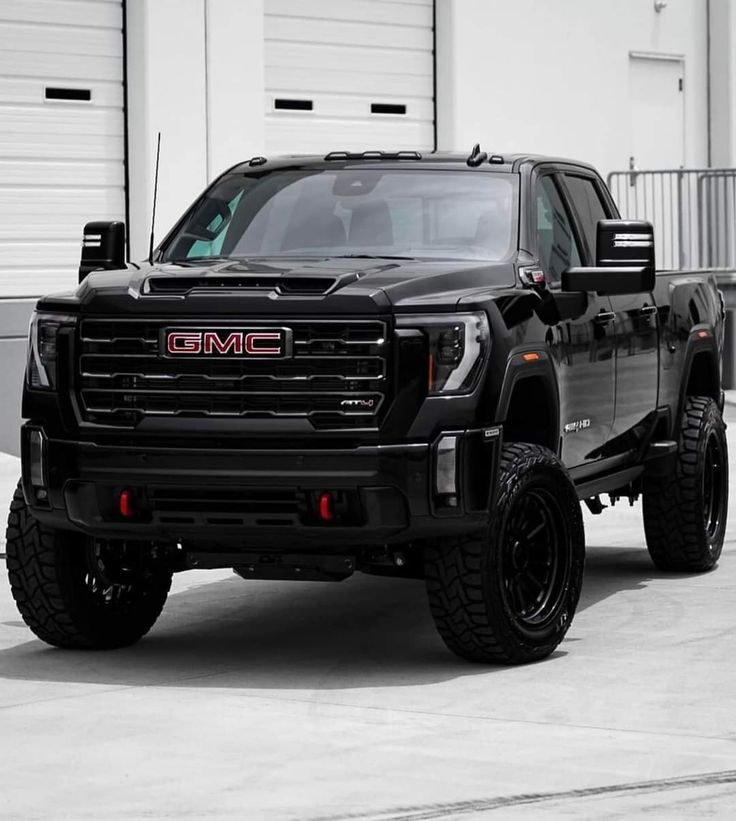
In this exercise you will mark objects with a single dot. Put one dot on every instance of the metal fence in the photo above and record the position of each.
(693, 212)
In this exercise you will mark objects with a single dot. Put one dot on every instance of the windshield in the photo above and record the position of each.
(415, 213)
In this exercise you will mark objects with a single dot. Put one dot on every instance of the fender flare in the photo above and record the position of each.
(701, 339)
(527, 363)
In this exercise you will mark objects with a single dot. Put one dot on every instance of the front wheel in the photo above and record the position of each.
(74, 591)
(508, 595)
(685, 512)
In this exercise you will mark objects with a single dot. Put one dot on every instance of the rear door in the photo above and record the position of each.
(636, 323)
(583, 348)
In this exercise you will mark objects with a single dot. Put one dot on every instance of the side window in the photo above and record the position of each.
(589, 208)
(556, 243)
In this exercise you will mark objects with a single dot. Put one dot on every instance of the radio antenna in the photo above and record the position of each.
(155, 195)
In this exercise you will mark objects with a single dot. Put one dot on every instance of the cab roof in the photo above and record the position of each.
(504, 163)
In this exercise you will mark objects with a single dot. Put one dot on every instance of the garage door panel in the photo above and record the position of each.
(60, 133)
(55, 172)
(40, 215)
(32, 281)
(348, 106)
(69, 13)
(78, 67)
(367, 11)
(347, 35)
(290, 135)
(61, 161)
(334, 59)
(362, 84)
(61, 40)
(32, 92)
(40, 254)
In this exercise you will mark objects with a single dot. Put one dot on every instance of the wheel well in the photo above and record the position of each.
(530, 416)
(703, 377)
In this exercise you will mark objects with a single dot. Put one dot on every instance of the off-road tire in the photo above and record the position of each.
(470, 579)
(685, 512)
(53, 584)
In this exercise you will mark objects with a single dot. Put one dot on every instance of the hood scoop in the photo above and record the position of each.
(184, 284)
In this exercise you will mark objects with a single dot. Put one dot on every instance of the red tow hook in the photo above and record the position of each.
(126, 504)
(326, 511)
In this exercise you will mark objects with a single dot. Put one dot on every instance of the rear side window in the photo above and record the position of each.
(589, 208)
(556, 243)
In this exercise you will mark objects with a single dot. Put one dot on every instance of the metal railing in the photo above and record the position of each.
(693, 211)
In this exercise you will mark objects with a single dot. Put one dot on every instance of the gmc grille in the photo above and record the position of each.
(337, 376)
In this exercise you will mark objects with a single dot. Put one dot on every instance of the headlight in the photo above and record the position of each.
(42, 349)
(458, 346)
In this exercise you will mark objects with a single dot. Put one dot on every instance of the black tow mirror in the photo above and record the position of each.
(624, 243)
(624, 261)
(103, 247)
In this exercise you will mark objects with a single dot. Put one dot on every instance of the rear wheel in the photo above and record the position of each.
(685, 512)
(77, 592)
(508, 595)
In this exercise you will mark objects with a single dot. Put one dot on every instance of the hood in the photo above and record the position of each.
(278, 287)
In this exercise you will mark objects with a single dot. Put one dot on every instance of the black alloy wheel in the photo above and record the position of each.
(508, 595)
(77, 592)
(685, 511)
(536, 559)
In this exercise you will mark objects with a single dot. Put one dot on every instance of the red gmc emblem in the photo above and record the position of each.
(273, 342)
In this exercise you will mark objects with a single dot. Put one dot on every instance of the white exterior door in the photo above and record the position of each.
(349, 75)
(61, 136)
(657, 112)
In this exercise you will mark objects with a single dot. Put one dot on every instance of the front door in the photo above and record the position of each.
(582, 348)
(636, 323)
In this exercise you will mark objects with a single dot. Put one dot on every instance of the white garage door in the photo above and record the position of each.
(353, 74)
(61, 135)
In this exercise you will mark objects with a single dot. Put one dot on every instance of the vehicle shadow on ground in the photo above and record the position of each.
(364, 632)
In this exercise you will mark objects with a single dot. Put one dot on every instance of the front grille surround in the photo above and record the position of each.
(337, 378)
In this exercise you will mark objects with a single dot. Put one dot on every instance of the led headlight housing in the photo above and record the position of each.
(42, 349)
(458, 346)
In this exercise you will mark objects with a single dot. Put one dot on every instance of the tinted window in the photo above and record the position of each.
(556, 243)
(336, 212)
(589, 208)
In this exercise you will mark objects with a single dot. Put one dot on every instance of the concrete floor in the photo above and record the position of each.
(256, 700)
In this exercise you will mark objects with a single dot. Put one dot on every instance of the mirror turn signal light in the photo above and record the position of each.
(531, 357)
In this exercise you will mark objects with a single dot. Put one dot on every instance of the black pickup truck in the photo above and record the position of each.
(380, 362)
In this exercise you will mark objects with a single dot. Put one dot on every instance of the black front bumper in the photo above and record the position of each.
(261, 497)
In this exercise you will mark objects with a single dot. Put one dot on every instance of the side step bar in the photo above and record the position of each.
(659, 460)
(608, 482)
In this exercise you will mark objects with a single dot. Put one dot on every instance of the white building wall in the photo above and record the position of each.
(553, 77)
(723, 82)
(195, 73)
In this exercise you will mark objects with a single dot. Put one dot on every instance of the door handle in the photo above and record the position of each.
(604, 317)
(648, 310)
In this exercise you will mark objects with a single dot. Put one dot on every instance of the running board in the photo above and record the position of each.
(608, 482)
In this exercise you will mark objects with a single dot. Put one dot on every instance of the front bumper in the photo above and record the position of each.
(261, 497)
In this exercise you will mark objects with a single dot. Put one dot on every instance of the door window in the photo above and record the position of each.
(557, 246)
(589, 208)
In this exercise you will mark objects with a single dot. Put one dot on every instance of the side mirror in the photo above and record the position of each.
(624, 261)
(103, 247)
